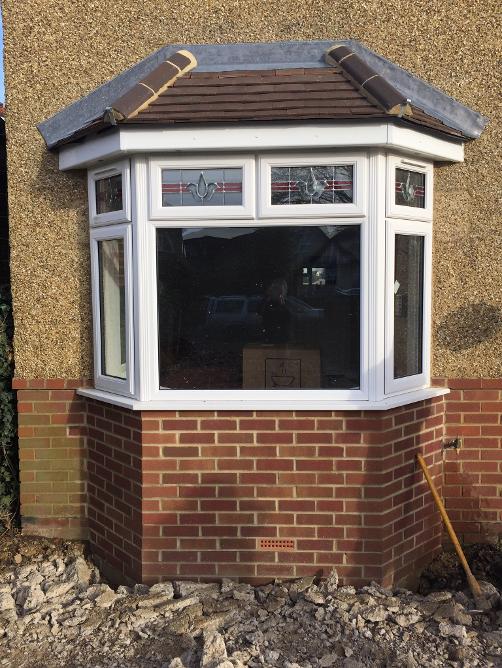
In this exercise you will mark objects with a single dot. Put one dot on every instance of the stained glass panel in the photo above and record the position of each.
(109, 194)
(410, 188)
(327, 184)
(206, 187)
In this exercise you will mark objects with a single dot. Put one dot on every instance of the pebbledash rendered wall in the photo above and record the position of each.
(192, 494)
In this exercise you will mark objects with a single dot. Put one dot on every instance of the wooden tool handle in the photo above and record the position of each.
(473, 583)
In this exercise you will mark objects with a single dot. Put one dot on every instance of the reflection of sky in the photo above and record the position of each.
(217, 232)
(2, 91)
(232, 232)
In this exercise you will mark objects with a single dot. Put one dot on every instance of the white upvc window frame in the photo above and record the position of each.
(413, 165)
(418, 381)
(180, 213)
(123, 169)
(373, 177)
(259, 398)
(102, 381)
(357, 208)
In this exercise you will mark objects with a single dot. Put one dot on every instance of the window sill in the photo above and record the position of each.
(246, 403)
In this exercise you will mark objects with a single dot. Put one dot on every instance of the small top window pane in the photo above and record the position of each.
(109, 194)
(410, 188)
(327, 184)
(202, 187)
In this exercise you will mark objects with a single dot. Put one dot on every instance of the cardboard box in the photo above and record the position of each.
(274, 367)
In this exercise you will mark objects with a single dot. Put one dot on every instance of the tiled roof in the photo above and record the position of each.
(270, 81)
(269, 95)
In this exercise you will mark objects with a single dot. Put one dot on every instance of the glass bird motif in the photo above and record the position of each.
(312, 188)
(408, 190)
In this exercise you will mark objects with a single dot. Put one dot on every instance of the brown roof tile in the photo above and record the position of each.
(272, 95)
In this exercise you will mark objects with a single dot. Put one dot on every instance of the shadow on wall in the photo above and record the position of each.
(469, 326)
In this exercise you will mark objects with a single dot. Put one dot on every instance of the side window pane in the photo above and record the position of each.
(109, 194)
(408, 305)
(202, 187)
(112, 307)
(332, 184)
(410, 188)
(259, 308)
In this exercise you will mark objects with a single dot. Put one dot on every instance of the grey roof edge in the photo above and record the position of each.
(422, 94)
(261, 55)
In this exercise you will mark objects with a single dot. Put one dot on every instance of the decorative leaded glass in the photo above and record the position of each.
(109, 194)
(207, 187)
(327, 184)
(410, 188)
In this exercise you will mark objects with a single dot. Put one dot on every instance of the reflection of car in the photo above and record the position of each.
(300, 310)
(348, 292)
(240, 311)
(233, 311)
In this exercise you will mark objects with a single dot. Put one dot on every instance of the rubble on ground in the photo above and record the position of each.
(56, 611)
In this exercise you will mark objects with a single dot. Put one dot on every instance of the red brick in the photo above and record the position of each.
(196, 437)
(219, 425)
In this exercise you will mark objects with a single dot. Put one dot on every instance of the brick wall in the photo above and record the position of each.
(114, 489)
(343, 486)
(52, 456)
(473, 473)
(190, 494)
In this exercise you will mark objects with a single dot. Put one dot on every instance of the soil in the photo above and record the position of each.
(445, 571)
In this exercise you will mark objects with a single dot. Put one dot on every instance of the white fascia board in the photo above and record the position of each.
(257, 137)
(90, 152)
(423, 144)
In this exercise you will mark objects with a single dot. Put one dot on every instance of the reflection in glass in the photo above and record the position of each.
(112, 307)
(410, 188)
(331, 184)
(109, 194)
(254, 308)
(408, 305)
(207, 187)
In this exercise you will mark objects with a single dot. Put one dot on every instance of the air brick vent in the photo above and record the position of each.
(277, 544)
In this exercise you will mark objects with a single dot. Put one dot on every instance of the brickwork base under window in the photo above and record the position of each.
(190, 494)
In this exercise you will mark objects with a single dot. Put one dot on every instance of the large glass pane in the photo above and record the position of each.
(254, 308)
(206, 187)
(109, 194)
(112, 307)
(328, 184)
(410, 188)
(408, 305)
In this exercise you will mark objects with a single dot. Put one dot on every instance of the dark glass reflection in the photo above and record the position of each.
(253, 308)
(408, 305)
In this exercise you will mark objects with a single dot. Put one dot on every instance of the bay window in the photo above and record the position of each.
(262, 281)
